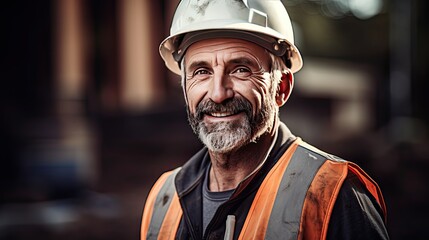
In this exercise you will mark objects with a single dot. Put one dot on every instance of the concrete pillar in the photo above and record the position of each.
(138, 82)
(70, 59)
(75, 144)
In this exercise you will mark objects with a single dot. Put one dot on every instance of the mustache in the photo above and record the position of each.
(234, 105)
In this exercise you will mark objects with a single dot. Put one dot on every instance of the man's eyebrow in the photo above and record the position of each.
(241, 60)
(198, 64)
(237, 61)
(244, 61)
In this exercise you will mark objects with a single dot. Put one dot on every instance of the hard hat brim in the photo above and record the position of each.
(169, 47)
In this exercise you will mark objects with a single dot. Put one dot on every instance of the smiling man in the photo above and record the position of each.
(254, 179)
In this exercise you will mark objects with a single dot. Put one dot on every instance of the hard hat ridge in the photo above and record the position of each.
(278, 48)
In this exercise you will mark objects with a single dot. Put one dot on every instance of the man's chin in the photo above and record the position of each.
(223, 143)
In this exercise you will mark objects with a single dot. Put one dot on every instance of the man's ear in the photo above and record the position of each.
(285, 88)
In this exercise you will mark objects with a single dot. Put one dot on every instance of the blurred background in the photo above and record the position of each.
(90, 117)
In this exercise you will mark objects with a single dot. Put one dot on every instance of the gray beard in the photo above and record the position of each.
(225, 137)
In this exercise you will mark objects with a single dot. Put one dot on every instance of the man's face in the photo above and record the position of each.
(229, 91)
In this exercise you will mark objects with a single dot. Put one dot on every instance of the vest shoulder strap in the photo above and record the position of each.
(162, 212)
(320, 199)
(277, 207)
(285, 219)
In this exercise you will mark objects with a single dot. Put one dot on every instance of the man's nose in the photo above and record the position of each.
(221, 88)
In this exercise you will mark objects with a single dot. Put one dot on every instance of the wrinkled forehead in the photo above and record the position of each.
(226, 47)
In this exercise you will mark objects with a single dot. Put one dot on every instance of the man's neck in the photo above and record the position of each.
(229, 169)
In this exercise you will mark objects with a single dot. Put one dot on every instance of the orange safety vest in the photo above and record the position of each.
(280, 209)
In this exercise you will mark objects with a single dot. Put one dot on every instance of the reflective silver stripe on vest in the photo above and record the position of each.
(162, 203)
(286, 213)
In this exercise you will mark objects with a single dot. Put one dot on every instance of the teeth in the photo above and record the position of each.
(221, 114)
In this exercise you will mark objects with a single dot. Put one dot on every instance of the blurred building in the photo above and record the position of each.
(91, 117)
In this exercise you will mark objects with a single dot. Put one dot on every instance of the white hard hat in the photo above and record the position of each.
(263, 22)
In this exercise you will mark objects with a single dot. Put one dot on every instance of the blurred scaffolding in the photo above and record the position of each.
(91, 117)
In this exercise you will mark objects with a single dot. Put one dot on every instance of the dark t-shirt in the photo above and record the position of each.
(212, 200)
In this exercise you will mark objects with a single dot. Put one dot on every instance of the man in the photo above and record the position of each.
(254, 179)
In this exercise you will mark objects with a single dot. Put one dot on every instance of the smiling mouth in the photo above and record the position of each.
(222, 114)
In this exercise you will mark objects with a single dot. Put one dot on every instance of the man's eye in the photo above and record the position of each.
(201, 72)
(241, 70)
